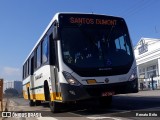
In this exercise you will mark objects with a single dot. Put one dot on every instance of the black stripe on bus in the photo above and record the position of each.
(37, 87)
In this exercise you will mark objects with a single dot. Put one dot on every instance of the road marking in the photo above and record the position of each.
(75, 114)
(100, 118)
(47, 118)
(150, 108)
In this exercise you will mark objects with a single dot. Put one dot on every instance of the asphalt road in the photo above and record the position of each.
(143, 105)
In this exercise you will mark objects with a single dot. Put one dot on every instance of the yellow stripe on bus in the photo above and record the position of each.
(27, 85)
(25, 95)
(41, 96)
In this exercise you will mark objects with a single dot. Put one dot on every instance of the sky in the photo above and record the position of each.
(23, 21)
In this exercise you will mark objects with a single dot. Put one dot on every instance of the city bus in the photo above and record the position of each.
(80, 57)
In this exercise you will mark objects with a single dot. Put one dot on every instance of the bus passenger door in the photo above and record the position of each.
(54, 62)
(32, 77)
(57, 90)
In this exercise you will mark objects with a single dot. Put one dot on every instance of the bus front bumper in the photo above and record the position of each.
(75, 93)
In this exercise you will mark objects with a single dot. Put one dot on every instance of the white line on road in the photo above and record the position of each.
(47, 118)
(78, 115)
(152, 108)
(100, 118)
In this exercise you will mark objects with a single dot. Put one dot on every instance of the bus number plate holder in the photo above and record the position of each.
(108, 93)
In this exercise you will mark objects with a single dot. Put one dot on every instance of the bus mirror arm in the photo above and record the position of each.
(55, 33)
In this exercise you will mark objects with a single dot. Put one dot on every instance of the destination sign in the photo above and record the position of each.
(88, 19)
(79, 20)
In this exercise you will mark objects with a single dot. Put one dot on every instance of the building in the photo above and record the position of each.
(147, 54)
(18, 86)
(13, 84)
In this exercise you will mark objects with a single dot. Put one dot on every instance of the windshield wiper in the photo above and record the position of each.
(108, 38)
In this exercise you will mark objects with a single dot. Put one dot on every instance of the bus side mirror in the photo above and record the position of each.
(55, 33)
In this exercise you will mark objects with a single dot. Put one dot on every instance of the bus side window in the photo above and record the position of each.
(32, 66)
(52, 51)
(122, 45)
(37, 58)
(45, 50)
(24, 71)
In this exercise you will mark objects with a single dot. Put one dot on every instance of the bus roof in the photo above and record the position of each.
(47, 28)
(55, 17)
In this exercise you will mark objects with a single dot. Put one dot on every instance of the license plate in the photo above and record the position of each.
(108, 93)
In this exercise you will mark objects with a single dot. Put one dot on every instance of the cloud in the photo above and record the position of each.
(11, 73)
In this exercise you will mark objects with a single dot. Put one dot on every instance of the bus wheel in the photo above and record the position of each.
(38, 102)
(105, 102)
(31, 103)
(54, 106)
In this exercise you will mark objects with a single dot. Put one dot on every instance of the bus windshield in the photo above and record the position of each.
(96, 47)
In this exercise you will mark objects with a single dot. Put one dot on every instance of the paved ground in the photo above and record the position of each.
(154, 93)
(122, 104)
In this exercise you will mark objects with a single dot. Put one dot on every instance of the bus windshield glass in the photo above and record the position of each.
(103, 47)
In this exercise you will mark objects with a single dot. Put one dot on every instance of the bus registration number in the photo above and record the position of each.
(108, 93)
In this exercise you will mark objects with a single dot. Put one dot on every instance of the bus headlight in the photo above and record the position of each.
(70, 79)
(133, 75)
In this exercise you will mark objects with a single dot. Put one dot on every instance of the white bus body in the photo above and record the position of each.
(80, 57)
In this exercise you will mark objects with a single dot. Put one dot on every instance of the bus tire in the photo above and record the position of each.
(105, 102)
(46, 91)
(28, 94)
(54, 106)
(31, 103)
(38, 102)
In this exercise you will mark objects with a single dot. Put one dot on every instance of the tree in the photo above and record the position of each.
(11, 92)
